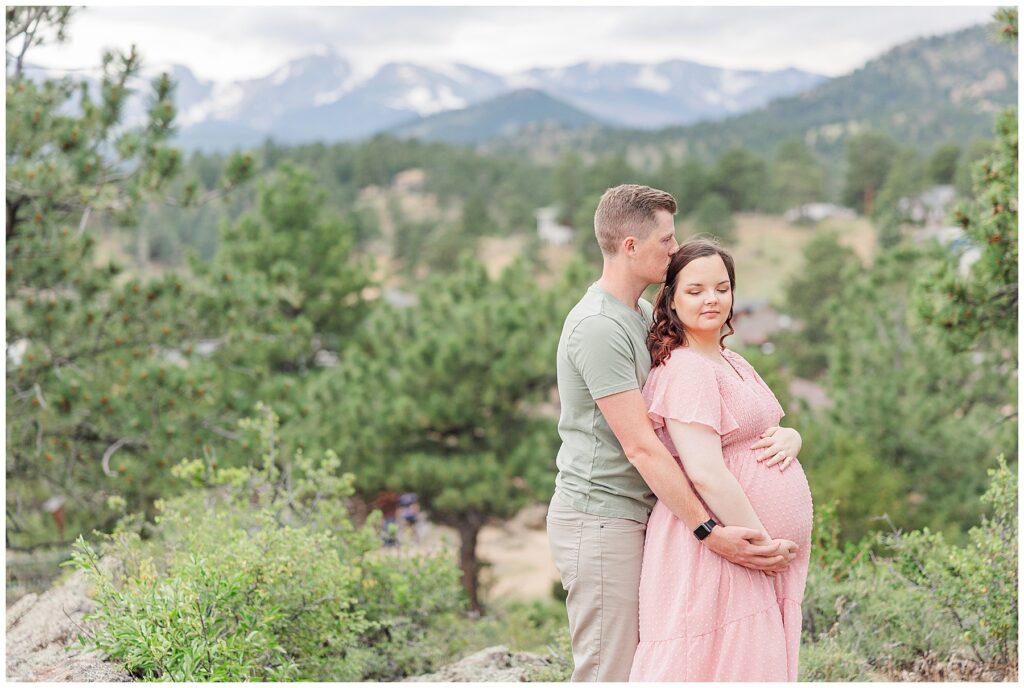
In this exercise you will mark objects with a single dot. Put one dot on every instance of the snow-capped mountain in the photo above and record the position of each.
(669, 93)
(429, 90)
(319, 98)
(316, 79)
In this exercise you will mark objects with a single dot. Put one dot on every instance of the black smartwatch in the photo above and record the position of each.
(704, 529)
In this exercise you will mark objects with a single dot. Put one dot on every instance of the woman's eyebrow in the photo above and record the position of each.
(701, 284)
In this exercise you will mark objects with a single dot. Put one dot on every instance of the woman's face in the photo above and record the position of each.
(703, 297)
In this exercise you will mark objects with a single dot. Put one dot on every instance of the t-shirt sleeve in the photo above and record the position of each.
(687, 390)
(603, 355)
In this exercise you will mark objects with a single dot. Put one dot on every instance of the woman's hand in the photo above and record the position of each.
(779, 446)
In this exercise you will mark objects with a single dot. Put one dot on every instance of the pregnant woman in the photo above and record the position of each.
(703, 618)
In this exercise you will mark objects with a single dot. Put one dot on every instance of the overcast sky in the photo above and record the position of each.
(227, 43)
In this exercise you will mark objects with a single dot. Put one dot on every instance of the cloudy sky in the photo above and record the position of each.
(227, 43)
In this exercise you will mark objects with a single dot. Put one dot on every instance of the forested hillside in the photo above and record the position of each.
(923, 93)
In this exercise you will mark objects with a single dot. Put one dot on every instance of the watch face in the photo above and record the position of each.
(704, 529)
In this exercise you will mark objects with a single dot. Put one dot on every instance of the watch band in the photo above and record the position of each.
(704, 529)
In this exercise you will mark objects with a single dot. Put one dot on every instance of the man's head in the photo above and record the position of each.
(635, 222)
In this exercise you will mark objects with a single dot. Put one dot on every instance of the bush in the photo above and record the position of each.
(843, 470)
(258, 574)
(868, 622)
(872, 616)
(975, 584)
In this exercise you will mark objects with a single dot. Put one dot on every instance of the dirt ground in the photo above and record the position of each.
(517, 561)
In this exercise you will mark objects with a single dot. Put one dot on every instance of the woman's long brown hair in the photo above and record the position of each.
(668, 332)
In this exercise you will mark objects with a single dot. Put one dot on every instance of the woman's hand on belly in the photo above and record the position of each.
(778, 446)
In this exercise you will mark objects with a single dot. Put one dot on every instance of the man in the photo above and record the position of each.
(611, 465)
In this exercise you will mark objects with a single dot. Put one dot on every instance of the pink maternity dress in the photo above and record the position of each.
(703, 618)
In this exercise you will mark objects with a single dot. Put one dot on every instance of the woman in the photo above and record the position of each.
(703, 618)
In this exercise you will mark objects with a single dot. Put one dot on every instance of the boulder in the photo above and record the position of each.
(42, 630)
(493, 664)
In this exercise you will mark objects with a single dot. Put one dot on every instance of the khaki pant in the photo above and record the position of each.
(599, 561)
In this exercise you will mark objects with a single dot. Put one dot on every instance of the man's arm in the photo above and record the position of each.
(626, 414)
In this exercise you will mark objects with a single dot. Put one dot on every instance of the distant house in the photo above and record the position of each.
(755, 321)
(409, 180)
(202, 347)
(930, 207)
(549, 230)
(16, 350)
(368, 193)
(400, 299)
(816, 212)
(956, 241)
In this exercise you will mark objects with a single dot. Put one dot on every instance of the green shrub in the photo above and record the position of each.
(258, 574)
(877, 607)
(830, 660)
(868, 622)
(975, 584)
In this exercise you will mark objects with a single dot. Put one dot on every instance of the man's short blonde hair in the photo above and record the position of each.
(628, 210)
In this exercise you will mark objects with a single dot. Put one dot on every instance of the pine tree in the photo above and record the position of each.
(976, 304)
(441, 399)
(741, 178)
(305, 250)
(906, 178)
(869, 157)
(937, 416)
(943, 163)
(810, 294)
(568, 186)
(113, 377)
(800, 177)
(713, 216)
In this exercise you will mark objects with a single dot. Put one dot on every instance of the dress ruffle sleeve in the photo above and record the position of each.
(685, 388)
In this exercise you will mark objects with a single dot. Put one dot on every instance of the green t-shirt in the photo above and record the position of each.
(602, 351)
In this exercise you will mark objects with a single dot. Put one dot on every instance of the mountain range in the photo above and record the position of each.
(317, 98)
(922, 93)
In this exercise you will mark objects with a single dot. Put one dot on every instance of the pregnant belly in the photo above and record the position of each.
(782, 500)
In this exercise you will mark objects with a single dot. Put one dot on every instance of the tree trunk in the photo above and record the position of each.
(469, 529)
(12, 215)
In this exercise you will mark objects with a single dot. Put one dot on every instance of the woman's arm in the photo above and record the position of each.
(700, 449)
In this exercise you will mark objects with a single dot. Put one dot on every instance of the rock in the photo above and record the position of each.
(932, 668)
(41, 630)
(491, 664)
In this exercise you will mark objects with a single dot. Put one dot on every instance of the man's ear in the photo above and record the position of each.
(629, 245)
